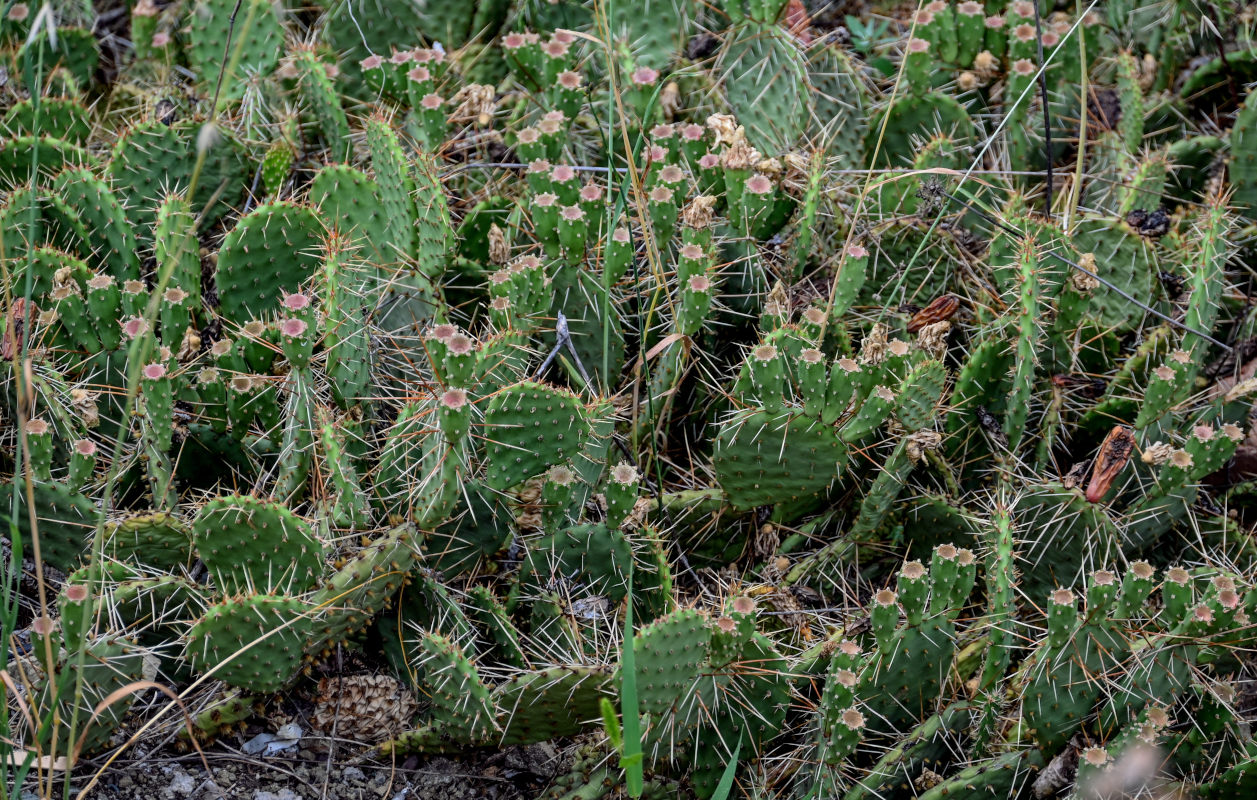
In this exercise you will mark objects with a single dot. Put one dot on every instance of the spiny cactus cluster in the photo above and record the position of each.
(901, 390)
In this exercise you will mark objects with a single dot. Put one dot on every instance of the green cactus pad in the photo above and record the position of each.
(50, 156)
(932, 745)
(109, 231)
(838, 103)
(1065, 683)
(461, 703)
(352, 199)
(912, 118)
(559, 701)
(157, 539)
(900, 687)
(218, 640)
(593, 554)
(275, 249)
(360, 589)
(152, 160)
(475, 531)
(530, 427)
(109, 664)
(762, 458)
(60, 117)
(1004, 776)
(1124, 259)
(670, 654)
(65, 519)
(766, 85)
(255, 44)
(491, 616)
(252, 545)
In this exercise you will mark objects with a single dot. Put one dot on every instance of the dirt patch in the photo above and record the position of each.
(319, 772)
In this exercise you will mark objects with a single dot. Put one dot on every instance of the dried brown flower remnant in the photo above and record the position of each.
(1114, 453)
(18, 317)
(939, 309)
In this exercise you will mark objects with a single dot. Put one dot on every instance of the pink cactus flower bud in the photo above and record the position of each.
(292, 328)
(155, 371)
(36, 427)
(76, 593)
(1181, 459)
(661, 194)
(554, 49)
(671, 174)
(644, 76)
(373, 61)
(419, 74)
(160, 40)
(443, 332)
(431, 101)
(134, 326)
(19, 12)
(918, 45)
(692, 132)
(699, 283)
(572, 213)
(570, 80)
(454, 399)
(562, 174)
(624, 474)
(1024, 32)
(1024, 67)
(85, 447)
(764, 353)
(459, 344)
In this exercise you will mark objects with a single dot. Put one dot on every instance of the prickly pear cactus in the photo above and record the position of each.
(660, 375)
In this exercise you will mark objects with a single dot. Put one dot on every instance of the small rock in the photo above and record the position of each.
(353, 774)
(258, 743)
(182, 784)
